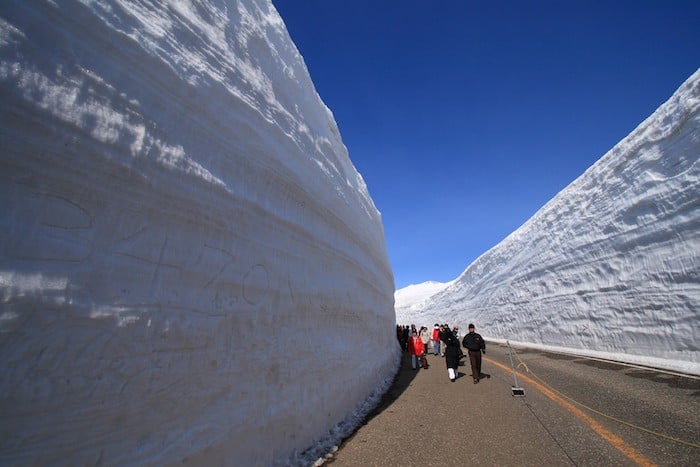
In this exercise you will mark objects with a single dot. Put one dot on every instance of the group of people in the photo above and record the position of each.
(445, 342)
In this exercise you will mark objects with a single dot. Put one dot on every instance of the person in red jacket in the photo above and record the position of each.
(415, 348)
(436, 340)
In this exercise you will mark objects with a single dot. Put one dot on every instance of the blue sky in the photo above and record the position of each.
(464, 118)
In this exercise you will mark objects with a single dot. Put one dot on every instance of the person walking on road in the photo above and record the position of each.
(424, 335)
(415, 347)
(451, 352)
(476, 346)
(436, 340)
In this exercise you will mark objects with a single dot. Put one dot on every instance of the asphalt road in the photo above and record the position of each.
(575, 411)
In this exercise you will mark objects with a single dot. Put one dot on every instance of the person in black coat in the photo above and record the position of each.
(476, 346)
(451, 352)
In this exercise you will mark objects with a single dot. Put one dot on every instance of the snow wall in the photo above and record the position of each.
(188, 257)
(611, 265)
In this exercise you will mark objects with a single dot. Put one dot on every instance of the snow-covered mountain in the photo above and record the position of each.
(611, 265)
(188, 256)
(410, 299)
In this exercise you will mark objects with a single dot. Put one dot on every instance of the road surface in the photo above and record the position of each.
(576, 411)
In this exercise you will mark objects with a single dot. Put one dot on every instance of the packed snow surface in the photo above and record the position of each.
(610, 266)
(189, 258)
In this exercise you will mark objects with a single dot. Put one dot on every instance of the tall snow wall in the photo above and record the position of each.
(609, 265)
(188, 258)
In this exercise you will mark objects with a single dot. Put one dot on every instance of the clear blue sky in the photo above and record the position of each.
(464, 118)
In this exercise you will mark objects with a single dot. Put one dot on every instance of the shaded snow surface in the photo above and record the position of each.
(610, 266)
(188, 256)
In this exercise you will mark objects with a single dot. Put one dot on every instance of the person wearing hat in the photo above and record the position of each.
(475, 344)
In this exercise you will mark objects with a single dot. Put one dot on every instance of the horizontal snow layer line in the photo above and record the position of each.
(681, 368)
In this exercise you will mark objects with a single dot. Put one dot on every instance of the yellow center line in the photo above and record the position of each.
(607, 435)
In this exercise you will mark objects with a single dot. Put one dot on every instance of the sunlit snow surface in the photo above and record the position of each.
(189, 261)
(409, 300)
(610, 266)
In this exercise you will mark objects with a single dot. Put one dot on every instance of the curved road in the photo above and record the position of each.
(576, 411)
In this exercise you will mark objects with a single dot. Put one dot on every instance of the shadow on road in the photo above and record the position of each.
(402, 380)
(651, 374)
(673, 381)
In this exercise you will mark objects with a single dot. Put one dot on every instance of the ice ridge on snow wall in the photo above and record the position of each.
(188, 256)
(609, 265)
